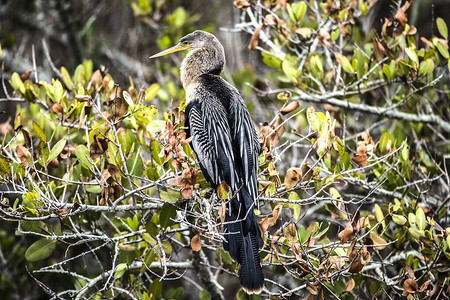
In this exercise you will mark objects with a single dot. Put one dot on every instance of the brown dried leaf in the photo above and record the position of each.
(98, 146)
(410, 286)
(275, 214)
(120, 108)
(186, 192)
(23, 154)
(377, 240)
(27, 138)
(58, 108)
(356, 266)
(83, 98)
(222, 211)
(292, 177)
(312, 289)
(350, 285)
(6, 127)
(26, 75)
(410, 271)
(424, 285)
(97, 79)
(346, 234)
(241, 4)
(290, 232)
(196, 243)
(255, 38)
(264, 224)
(290, 107)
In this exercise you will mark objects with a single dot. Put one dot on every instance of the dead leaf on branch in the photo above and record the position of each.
(271, 134)
(23, 154)
(275, 214)
(255, 38)
(292, 177)
(410, 286)
(196, 243)
(98, 146)
(346, 234)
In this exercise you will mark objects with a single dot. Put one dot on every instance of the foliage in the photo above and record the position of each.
(353, 199)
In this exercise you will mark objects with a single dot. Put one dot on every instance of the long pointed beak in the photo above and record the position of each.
(176, 48)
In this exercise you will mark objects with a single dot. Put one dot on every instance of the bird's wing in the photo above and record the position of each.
(245, 141)
(208, 125)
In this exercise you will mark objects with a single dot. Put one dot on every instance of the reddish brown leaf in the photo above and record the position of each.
(290, 107)
(23, 154)
(275, 214)
(346, 234)
(97, 79)
(58, 108)
(350, 285)
(222, 211)
(264, 223)
(26, 75)
(196, 243)
(424, 285)
(410, 286)
(83, 98)
(290, 232)
(255, 38)
(98, 146)
(292, 177)
(409, 271)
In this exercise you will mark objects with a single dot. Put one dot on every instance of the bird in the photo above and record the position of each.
(227, 147)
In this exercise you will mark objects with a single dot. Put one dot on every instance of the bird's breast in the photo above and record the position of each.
(190, 92)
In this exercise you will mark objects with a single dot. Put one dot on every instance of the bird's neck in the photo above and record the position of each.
(202, 61)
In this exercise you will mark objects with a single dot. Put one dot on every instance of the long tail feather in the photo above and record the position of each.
(243, 243)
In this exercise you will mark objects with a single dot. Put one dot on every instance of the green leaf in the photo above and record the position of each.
(128, 99)
(40, 250)
(398, 219)
(151, 92)
(135, 166)
(421, 220)
(149, 239)
(56, 150)
(426, 67)
(442, 50)
(343, 61)
(120, 270)
(289, 70)
(168, 198)
(168, 212)
(335, 34)
(442, 27)
(387, 71)
(204, 295)
(363, 7)
(66, 78)
(299, 10)
(412, 55)
(5, 166)
(416, 233)
(156, 289)
(17, 83)
(82, 153)
(39, 132)
(312, 118)
(412, 220)
(384, 139)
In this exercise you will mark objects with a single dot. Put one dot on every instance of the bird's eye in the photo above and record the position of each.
(185, 43)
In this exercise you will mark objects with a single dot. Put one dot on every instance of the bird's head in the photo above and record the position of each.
(195, 40)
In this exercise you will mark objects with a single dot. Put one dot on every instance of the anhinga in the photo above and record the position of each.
(226, 145)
